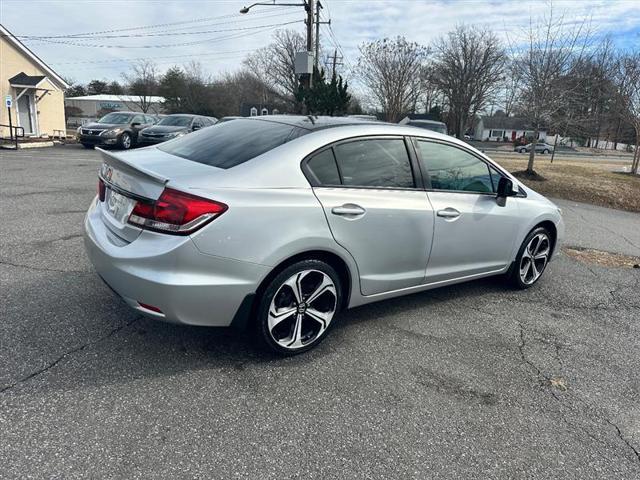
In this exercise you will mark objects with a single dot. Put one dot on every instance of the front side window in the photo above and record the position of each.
(138, 119)
(374, 163)
(451, 168)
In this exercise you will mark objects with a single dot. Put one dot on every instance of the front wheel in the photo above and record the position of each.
(125, 141)
(546, 152)
(532, 259)
(297, 309)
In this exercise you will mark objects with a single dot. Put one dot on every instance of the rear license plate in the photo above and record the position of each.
(119, 206)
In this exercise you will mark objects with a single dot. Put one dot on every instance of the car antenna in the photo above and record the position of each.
(312, 119)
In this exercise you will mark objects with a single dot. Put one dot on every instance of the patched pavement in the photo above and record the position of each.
(469, 381)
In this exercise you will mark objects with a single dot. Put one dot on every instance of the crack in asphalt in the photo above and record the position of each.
(546, 386)
(44, 269)
(66, 354)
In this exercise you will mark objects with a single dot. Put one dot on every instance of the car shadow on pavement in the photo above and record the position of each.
(121, 347)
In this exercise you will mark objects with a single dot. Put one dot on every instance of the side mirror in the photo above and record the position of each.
(136, 124)
(505, 189)
(195, 127)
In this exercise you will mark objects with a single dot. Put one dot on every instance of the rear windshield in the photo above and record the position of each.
(228, 144)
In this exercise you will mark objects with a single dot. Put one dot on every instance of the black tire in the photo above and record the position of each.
(126, 141)
(513, 276)
(86, 145)
(264, 337)
(545, 152)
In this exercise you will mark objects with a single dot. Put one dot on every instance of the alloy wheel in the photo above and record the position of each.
(534, 258)
(126, 141)
(302, 309)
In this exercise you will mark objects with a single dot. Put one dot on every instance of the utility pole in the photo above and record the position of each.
(309, 6)
(318, 23)
(335, 61)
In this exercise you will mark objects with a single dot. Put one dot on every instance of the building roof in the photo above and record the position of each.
(117, 98)
(506, 123)
(33, 57)
(24, 80)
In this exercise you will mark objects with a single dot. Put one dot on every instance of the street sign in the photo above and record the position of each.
(7, 101)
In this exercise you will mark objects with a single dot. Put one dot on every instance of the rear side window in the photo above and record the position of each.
(323, 170)
(231, 143)
(375, 163)
(454, 169)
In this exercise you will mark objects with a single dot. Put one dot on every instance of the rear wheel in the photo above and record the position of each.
(545, 151)
(86, 145)
(532, 259)
(297, 308)
(125, 141)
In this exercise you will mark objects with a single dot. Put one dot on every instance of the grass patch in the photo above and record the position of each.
(580, 181)
(605, 259)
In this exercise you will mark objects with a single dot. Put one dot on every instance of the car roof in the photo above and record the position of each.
(312, 122)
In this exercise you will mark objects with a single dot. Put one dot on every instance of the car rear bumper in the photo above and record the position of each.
(169, 273)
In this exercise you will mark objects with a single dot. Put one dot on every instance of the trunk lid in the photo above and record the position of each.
(137, 176)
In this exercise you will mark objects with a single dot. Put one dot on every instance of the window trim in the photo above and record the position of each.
(428, 187)
(413, 164)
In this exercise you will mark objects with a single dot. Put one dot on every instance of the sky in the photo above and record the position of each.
(214, 33)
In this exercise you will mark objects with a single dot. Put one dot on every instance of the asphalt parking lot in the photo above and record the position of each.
(469, 381)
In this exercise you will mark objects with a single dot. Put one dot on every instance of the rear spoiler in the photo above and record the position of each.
(120, 162)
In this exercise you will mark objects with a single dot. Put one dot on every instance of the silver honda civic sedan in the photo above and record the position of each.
(278, 223)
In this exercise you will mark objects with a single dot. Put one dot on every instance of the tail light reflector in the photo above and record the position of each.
(150, 307)
(176, 212)
(102, 190)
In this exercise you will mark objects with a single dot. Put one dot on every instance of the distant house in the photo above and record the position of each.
(257, 109)
(91, 107)
(499, 128)
(36, 92)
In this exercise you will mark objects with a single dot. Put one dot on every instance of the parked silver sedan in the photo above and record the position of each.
(278, 223)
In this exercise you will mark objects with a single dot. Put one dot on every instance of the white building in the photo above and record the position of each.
(92, 107)
(499, 128)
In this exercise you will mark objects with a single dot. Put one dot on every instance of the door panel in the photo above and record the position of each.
(479, 239)
(24, 109)
(388, 233)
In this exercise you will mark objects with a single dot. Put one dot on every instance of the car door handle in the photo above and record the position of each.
(448, 213)
(348, 209)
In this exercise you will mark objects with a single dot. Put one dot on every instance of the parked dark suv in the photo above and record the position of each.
(173, 126)
(116, 129)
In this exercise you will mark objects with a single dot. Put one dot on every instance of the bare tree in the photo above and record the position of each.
(552, 47)
(391, 72)
(142, 83)
(274, 64)
(468, 68)
(628, 86)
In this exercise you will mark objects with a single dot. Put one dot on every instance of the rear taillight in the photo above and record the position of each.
(175, 212)
(102, 190)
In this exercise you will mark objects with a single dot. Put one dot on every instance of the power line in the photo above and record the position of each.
(158, 34)
(122, 60)
(159, 25)
(178, 31)
(263, 28)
